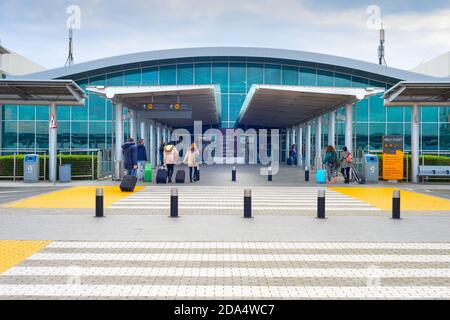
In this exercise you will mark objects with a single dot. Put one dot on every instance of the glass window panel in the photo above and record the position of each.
(308, 77)
(362, 136)
(444, 114)
(203, 73)
(377, 84)
(27, 134)
(185, 74)
(9, 134)
(290, 75)
(407, 137)
(377, 131)
(109, 110)
(98, 81)
(343, 80)
(394, 114)
(63, 113)
(407, 113)
(236, 101)
(114, 79)
(9, 112)
(255, 74)
(27, 113)
(97, 136)
(220, 76)
(272, 74)
(132, 77)
(83, 83)
(109, 134)
(168, 75)
(225, 108)
(395, 128)
(444, 138)
(150, 76)
(42, 134)
(63, 135)
(43, 113)
(97, 107)
(325, 78)
(80, 113)
(79, 135)
(377, 109)
(430, 136)
(362, 111)
(358, 82)
(429, 114)
(238, 78)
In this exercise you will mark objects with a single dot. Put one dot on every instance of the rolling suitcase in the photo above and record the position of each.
(197, 174)
(128, 184)
(161, 176)
(321, 176)
(180, 177)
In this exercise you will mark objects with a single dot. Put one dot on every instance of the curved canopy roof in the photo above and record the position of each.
(292, 55)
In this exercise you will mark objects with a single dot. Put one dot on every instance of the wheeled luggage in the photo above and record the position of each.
(321, 176)
(180, 177)
(161, 176)
(197, 174)
(290, 162)
(128, 184)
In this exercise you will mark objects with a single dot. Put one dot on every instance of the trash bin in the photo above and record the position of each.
(371, 170)
(31, 168)
(65, 173)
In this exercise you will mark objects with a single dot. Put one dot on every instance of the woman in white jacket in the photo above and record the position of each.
(191, 160)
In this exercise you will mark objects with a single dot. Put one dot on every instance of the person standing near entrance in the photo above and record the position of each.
(129, 151)
(141, 158)
(346, 164)
(330, 162)
(171, 157)
(162, 145)
(191, 160)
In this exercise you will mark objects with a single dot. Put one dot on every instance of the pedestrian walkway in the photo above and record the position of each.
(231, 270)
(265, 199)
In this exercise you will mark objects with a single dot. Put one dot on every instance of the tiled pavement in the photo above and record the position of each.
(229, 200)
(232, 270)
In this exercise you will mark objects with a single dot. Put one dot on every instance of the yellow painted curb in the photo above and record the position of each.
(72, 198)
(382, 198)
(14, 252)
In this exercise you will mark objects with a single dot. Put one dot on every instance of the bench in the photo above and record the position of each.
(427, 172)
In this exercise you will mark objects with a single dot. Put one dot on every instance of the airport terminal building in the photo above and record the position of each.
(233, 76)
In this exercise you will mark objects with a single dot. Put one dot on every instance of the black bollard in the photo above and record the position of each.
(396, 205)
(234, 175)
(306, 174)
(270, 175)
(174, 203)
(247, 203)
(99, 204)
(321, 205)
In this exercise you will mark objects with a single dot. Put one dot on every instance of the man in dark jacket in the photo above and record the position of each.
(141, 158)
(129, 151)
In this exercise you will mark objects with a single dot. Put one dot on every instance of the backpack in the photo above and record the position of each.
(333, 159)
(349, 159)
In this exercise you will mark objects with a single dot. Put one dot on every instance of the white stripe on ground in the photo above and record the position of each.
(249, 245)
(229, 272)
(240, 208)
(224, 291)
(237, 257)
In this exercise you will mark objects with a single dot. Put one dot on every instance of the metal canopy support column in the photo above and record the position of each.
(308, 146)
(300, 145)
(319, 143)
(158, 141)
(288, 137)
(349, 127)
(332, 128)
(293, 135)
(119, 131)
(53, 144)
(153, 145)
(415, 131)
(133, 125)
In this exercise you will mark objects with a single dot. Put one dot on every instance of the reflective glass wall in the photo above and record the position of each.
(92, 126)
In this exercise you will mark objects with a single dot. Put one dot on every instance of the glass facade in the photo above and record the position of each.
(91, 126)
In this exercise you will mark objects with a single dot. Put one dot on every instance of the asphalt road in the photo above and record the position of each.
(10, 194)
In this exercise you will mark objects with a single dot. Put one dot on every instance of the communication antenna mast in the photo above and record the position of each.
(381, 49)
(69, 60)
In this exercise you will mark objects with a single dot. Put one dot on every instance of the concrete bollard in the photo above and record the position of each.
(247, 203)
(99, 203)
(174, 203)
(306, 174)
(396, 205)
(234, 175)
(270, 175)
(321, 205)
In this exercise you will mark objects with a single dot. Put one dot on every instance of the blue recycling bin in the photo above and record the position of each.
(371, 168)
(65, 173)
(31, 168)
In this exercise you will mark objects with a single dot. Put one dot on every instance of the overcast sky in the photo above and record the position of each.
(416, 30)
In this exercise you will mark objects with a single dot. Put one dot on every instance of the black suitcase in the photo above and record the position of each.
(128, 184)
(197, 174)
(161, 176)
(181, 177)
